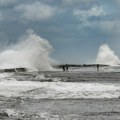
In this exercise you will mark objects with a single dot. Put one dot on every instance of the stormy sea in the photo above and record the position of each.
(44, 92)
(58, 95)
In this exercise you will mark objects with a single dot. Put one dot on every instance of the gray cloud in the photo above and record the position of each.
(1, 17)
(71, 2)
(7, 2)
(84, 15)
(36, 11)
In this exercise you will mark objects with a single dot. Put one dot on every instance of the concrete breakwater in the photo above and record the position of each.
(13, 70)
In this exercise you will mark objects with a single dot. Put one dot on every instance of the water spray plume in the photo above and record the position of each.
(31, 51)
(107, 56)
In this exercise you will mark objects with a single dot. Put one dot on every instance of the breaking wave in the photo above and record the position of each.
(107, 56)
(31, 52)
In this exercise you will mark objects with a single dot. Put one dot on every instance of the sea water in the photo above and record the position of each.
(30, 86)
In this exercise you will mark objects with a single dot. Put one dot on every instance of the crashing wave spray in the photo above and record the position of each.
(107, 56)
(31, 52)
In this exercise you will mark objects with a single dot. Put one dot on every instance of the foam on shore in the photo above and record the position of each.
(58, 90)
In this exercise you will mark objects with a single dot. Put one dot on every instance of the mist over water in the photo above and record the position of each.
(31, 51)
(107, 56)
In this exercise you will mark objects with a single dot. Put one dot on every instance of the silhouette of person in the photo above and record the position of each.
(98, 67)
(66, 67)
(63, 68)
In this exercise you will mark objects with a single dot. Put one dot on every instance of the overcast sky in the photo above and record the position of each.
(75, 28)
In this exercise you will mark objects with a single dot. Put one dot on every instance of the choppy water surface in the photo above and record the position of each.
(60, 85)
(60, 95)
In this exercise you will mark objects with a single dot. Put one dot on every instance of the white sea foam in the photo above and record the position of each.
(107, 56)
(31, 51)
(11, 112)
(58, 90)
(5, 75)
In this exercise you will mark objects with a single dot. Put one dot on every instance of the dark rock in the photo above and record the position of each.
(3, 115)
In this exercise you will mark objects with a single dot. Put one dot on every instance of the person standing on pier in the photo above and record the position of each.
(63, 67)
(98, 67)
(66, 67)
